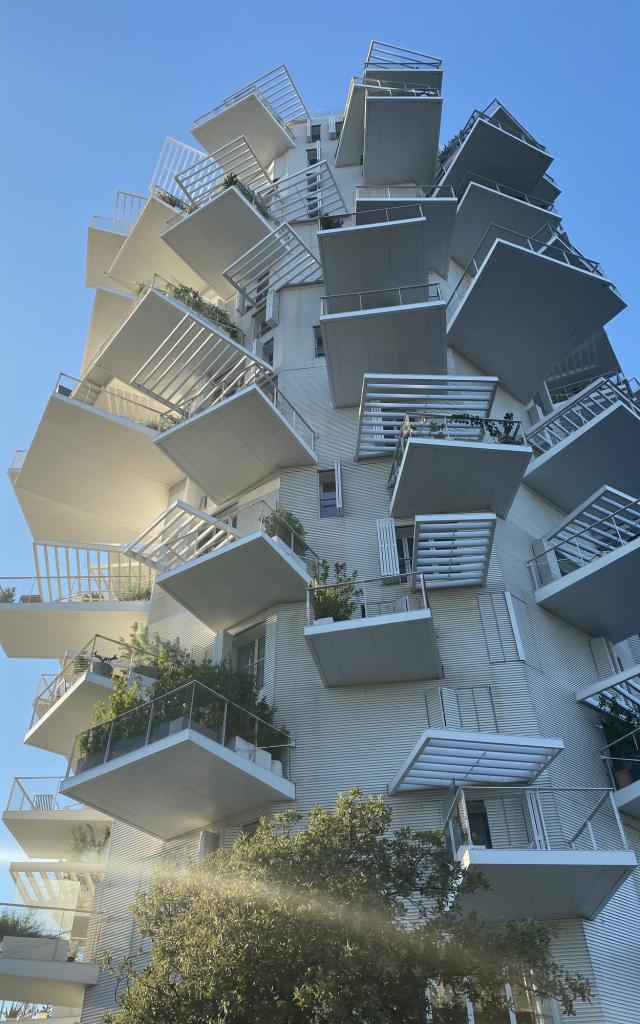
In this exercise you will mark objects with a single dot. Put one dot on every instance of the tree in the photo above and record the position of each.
(341, 920)
(21, 923)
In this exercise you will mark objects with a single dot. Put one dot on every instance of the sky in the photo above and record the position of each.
(89, 91)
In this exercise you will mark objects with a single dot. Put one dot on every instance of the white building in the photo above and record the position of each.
(410, 356)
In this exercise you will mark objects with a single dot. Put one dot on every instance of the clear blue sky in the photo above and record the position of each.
(90, 91)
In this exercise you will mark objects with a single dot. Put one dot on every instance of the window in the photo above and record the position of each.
(312, 156)
(267, 351)
(338, 128)
(314, 133)
(328, 494)
(249, 652)
(318, 342)
(404, 546)
(478, 823)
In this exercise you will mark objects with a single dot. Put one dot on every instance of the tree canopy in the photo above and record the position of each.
(330, 919)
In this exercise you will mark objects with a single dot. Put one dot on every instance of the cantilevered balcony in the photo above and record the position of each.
(549, 853)
(494, 145)
(623, 758)
(69, 884)
(112, 302)
(438, 204)
(587, 439)
(77, 590)
(522, 303)
(214, 758)
(65, 701)
(483, 203)
(222, 573)
(387, 62)
(45, 822)
(457, 463)
(279, 259)
(92, 469)
(261, 112)
(391, 330)
(591, 359)
(106, 235)
(381, 631)
(453, 550)
(587, 569)
(52, 966)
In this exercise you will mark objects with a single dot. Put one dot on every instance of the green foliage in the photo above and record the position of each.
(283, 524)
(22, 923)
(14, 1011)
(88, 844)
(232, 180)
(337, 600)
(7, 595)
(504, 431)
(449, 146)
(327, 222)
(336, 918)
(190, 297)
(139, 590)
(170, 199)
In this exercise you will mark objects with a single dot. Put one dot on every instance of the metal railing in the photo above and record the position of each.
(467, 708)
(306, 195)
(490, 115)
(100, 656)
(112, 400)
(588, 536)
(182, 533)
(622, 757)
(378, 215)
(205, 178)
(546, 242)
(17, 461)
(458, 427)
(534, 818)
(87, 572)
(364, 192)
(504, 190)
(580, 410)
(50, 926)
(380, 298)
(412, 90)
(95, 588)
(175, 159)
(279, 259)
(194, 707)
(129, 206)
(35, 794)
(366, 598)
(276, 90)
(386, 55)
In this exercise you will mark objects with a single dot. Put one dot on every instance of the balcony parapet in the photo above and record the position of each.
(380, 298)
(176, 158)
(498, 117)
(578, 410)
(501, 189)
(126, 405)
(376, 84)
(400, 192)
(44, 820)
(622, 758)
(387, 56)
(128, 207)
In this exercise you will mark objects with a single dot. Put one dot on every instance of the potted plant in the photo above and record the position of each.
(619, 724)
(283, 524)
(338, 600)
(327, 223)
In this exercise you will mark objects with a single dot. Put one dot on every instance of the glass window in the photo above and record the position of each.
(315, 133)
(338, 128)
(328, 495)
(478, 823)
(267, 351)
(404, 545)
(250, 654)
(312, 156)
(318, 342)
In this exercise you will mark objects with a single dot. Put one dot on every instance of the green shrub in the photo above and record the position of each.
(338, 600)
(7, 595)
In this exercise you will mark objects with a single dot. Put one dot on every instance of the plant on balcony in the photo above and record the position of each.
(138, 591)
(190, 297)
(7, 595)
(327, 222)
(169, 198)
(618, 723)
(449, 146)
(337, 600)
(87, 844)
(306, 921)
(232, 180)
(20, 923)
(504, 431)
(283, 524)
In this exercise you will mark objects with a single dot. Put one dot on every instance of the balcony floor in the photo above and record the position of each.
(48, 629)
(234, 444)
(523, 311)
(70, 715)
(102, 248)
(480, 207)
(89, 474)
(401, 139)
(238, 581)
(394, 648)
(470, 476)
(267, 137)
(602, 598)
(217, 234)
(177, 784)
(48, 833)
(28, 980)
(394, 339)
(492, 153)
(375, 256)
(603, 449)
(551, 885)
(440, 214)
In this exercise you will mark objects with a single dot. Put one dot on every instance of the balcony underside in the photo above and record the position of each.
(395, 339)
(394, 648)
(217, 234)
(523, 311)
(480, 207)
(602, 598)
(458, 476)
(238, 581)
(351, 143)
(551, 885)
(235, 444)
(492, 153)
(89, 474)
(627, 799)
(375, 256)
(266, 135)
(440, 214)
(401, 139)
(70, 715)
(102, 248)
(593, 357)
(49, 833)
(28, 980)
(109, 308)
(144, 253)
(178, 783)
(48, 629)
(604, 449)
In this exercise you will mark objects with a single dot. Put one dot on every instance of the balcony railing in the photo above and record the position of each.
(364, 192)
(377, 215)
(17, 461)
(622, 756)
(380, 298)
(535, 818)
(546, 242)
(458, 427)
(466, 708)
(181, 534)
(129, 206)
(175, 158)
(194, 707)
(37, 794)
(367, 598)
(385, 55)
(46, 589)
(604, 524)
(582, 409)
(306, 195)
(204, 179)
(278, 93)
(503, 190)
(48, 923)
(490, 115)
(380, 87)
(279, 259)
(112, 400)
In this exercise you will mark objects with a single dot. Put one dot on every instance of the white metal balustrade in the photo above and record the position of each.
(113, 400)
(306, 195)
(370, 597)
(276, 90)
(175, 159)
(366, 192)
(453, 550)
(385, 56)
(280, 259)
(376, 85)
(67, 573)
(128, 207)
(380, 298)
(37, 793)
(205, 178)
(582, 409)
